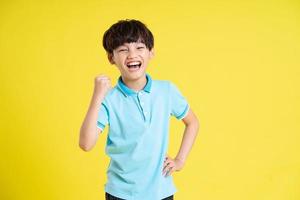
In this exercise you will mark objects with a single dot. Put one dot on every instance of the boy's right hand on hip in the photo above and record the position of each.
(102, 84)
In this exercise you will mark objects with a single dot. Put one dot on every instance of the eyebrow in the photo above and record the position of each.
(120, 47)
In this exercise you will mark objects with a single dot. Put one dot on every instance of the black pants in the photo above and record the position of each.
(111, 197)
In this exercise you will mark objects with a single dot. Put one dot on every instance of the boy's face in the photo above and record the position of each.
(131, 59)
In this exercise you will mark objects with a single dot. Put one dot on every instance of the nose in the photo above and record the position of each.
(132, 53)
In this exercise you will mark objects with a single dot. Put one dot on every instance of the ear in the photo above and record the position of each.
(152, 53)
(110, 58)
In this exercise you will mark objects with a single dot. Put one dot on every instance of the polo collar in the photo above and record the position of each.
(128, 91)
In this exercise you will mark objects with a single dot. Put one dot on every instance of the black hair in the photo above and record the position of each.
(127, 31)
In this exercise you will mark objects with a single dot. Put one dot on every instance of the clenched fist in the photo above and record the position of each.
(102, 84)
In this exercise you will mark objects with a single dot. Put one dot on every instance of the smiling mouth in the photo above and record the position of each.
(134, 65)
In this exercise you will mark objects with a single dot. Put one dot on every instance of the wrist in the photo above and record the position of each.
(98, 97)
(181, 159)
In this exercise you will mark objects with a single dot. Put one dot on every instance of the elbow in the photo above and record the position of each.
(85, 147)
(86, 143)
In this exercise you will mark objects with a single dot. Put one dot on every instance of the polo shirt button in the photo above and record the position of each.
(146, 113)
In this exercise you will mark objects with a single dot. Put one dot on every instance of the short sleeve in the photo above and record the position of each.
(103, 116)
(179, 105)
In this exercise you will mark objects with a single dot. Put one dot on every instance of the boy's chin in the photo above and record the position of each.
(134, 75)
(139, 72)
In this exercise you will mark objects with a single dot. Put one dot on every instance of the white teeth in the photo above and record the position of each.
(133, 63)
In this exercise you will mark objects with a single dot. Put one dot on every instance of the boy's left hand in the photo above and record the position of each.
(171, 165)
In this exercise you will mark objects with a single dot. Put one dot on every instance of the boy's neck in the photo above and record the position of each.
(136, 85)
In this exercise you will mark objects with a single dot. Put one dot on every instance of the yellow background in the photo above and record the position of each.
(237, 63)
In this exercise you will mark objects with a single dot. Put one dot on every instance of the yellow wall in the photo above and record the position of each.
(237, 63)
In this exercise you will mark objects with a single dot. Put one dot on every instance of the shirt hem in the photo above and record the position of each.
(126, 196)
(185, 112)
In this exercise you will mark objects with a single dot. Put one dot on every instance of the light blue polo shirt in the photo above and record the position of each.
(138, 138)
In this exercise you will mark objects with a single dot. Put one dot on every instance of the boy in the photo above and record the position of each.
(138, 111)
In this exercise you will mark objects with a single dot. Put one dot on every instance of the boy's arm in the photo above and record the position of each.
(88, 131)
(191, 130)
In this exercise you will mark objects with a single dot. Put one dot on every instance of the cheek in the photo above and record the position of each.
(119, 60)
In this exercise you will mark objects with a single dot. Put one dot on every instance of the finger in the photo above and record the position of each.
(168, 172)
(171, 171)
(170, 166)
(169, 162)
(166, 164)
(103, 78)
(167, 168)
(167, 158)
(165, 171)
